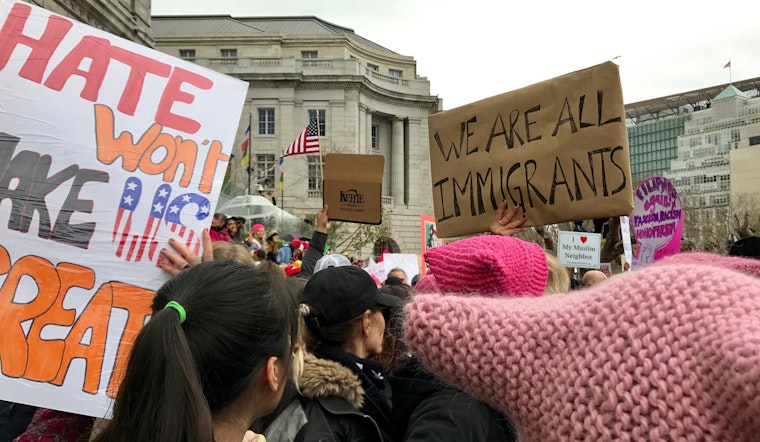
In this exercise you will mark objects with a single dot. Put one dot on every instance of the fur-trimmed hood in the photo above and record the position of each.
(323, 378)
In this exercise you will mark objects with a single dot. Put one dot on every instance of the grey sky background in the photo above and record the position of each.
(475, 49)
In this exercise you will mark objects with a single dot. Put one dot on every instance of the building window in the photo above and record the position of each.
(375, 144)
(309, 58)
(373, 67)
(395, 73)
(229, 56)
(315, 172)
(187, 54)
(265, 166)
(754, 141)
(322, 125)
(266, 121)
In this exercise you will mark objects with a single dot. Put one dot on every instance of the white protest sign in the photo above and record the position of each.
(376, 270)
(657, 220)
(405, 261)
(625, 233)
(107, 149)
(579, 249)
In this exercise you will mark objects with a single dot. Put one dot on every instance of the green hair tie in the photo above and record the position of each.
(181, 310)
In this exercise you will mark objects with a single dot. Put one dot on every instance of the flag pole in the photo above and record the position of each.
(321, 172)
(282, 186)
(730, 74)
(250, 120)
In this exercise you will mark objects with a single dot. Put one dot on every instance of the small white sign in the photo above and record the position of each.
(579, 249)
(625, 233)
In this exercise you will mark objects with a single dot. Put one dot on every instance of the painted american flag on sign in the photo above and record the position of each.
(174, 221)
(130, 199)
(133, 246)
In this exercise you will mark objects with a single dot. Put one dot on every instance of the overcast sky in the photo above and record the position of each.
(475, 49)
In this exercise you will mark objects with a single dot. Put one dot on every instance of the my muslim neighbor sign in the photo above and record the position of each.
(558, 148)
(107, 149)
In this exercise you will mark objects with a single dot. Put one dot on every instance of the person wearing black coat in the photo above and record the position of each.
(427, 409)
(326, 408)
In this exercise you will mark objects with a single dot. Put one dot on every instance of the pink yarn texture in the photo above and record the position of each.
(487, 264)
(670, 352)
(744, 265)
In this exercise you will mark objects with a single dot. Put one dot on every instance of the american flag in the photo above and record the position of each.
(130, 198)
(174, 221)
(307, 142)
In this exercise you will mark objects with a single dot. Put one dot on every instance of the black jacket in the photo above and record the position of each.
(427, 409)
(327, 408)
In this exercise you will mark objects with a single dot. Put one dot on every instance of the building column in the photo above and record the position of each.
(397, 161)
(416, 162)
(368, 132)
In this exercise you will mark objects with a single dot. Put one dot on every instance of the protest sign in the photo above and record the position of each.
(579, 249)
(625, 234)
(657, 220)
(429, 238)
(353, 187)
(606, 268)
(406, 261)
(558, 148)
(107, 149)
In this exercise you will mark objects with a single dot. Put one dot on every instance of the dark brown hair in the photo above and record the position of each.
(180, 374)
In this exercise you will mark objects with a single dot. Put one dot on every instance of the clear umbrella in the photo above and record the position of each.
(249, 207)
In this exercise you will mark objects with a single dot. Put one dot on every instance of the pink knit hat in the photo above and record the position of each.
(669, 352)
(745, 265)
(488, 265)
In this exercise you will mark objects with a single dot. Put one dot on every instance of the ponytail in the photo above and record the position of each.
(161, 397)
(195, 358)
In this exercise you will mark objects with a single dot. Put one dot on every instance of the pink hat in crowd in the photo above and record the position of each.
(490, 265)
(669, 352)
(257, 227)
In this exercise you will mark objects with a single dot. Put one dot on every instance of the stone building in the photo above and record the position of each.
(370, 100)
(129, 19)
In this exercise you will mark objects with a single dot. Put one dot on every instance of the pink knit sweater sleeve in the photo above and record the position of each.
(671, 352)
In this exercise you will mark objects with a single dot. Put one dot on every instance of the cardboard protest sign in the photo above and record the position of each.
(353, 187)
(107, 149)
(579, 249)
(657, 220)
(558, 148)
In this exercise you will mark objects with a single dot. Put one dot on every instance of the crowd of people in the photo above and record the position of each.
(490, 345)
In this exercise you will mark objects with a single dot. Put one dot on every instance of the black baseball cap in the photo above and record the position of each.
(341, 294)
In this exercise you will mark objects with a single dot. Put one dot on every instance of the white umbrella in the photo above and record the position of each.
(249, 207)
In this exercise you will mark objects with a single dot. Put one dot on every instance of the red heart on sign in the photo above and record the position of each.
(583, 239)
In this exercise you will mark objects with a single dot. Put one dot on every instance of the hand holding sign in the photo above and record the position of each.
(174, 263)
(503, 223)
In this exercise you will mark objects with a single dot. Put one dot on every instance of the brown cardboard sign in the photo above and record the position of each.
(559, 148)
(353, 187)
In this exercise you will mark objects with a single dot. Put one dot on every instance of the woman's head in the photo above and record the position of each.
(219, 222)
(342, 307)
(394, 348)
(488, 265)
(225, 251)
(224, 347)
(258, 232)
(232, 224)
